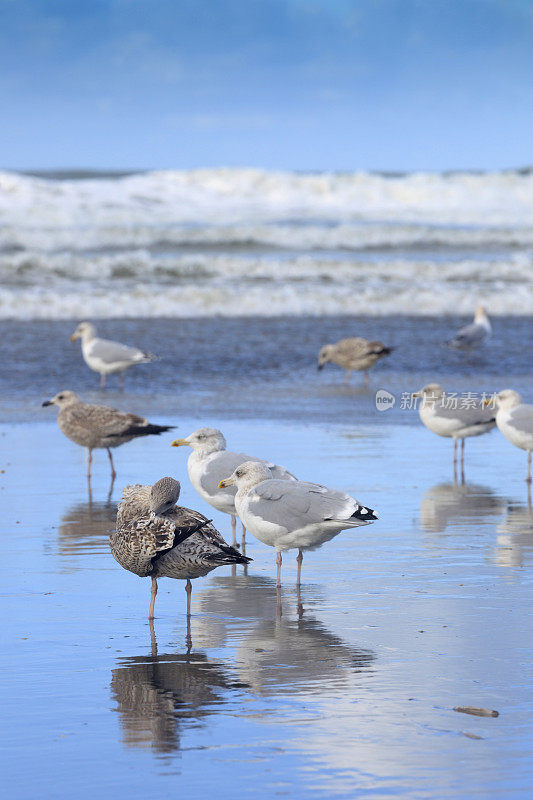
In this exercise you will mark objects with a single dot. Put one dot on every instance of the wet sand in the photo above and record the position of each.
(259, 367)
(403, 620)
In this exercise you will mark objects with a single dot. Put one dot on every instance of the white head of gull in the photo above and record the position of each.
(106, 356)
(450, 417)
(515, 420)
(475, 334)
(209, 462)
(292, 514)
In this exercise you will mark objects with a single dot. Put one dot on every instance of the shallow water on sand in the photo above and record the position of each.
(351, 694)
(256, 367)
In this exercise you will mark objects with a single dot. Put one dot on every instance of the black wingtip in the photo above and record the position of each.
(364, 514)
(147, 430)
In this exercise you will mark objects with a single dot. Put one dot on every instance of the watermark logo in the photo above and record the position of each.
(384, 400)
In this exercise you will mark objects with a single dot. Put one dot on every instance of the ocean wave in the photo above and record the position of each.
(229, 196)
(144, 266)
(138, 284)
(239, 242)
(301, 236)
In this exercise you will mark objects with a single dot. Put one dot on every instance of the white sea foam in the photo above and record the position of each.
(137, 284)
(235, 242)
(226, 196)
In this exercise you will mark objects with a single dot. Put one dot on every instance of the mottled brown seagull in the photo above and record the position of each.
(156, 538)
(353, 354)
(99, 427)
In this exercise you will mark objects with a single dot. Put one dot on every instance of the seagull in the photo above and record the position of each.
(99, 427)
(474, 334)
(105, 356)
(157, 538)
(441, 417)
(515, 420)
(209, 462)
(292, 514)
(353, 354)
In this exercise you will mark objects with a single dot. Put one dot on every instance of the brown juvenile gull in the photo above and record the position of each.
(473, 335)
(94, 426)
(440, 416)
(353, 354)
(209, 462)
(155, 537)
(292, 514)
(105, 356)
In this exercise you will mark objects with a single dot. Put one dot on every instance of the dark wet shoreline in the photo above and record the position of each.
(259, 367)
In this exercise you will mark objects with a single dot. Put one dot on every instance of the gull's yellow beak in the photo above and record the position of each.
(180, 443)
(73, 337)
(487, 402)
(223, 484)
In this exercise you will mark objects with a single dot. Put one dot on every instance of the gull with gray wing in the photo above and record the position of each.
(473, 335)
(209, 462)
(453, 418)
(99, 427)
(515, 420)
(156, 538)
(292, 514)
(106, 356)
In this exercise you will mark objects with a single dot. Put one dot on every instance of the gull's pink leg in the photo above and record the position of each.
(299, 559)
(528, 479)
(278, 563)
(113, 473)
(188, 589)
(152, 601)
(89, 464)
(102, 381)
(234, 530)
(366, 377)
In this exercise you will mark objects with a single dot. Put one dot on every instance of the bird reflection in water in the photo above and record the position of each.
(158, 695)
(514, 542)
(276, 654)
(83, 530)
(451, 504)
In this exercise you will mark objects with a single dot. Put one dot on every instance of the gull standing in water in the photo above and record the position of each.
(353, 354)
(474, 334)
(98, 427)
(515, 420)
(156, 538)
(292, 514)
(105, 356)
(209, 462)
(442, 418)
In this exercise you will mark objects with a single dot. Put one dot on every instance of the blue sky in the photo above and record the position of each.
(289, 84)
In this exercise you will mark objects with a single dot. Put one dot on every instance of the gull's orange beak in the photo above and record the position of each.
(73, 337)
(223, 484)
(180, 443)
